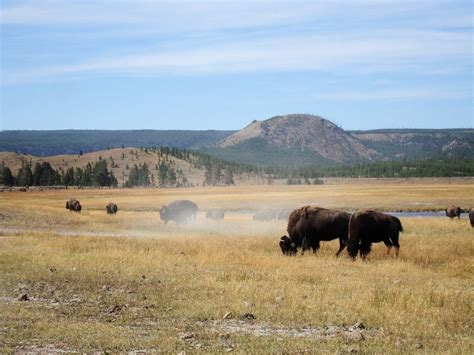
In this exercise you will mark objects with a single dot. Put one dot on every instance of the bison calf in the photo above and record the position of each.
(111, 208)
(287, 246)
(367, 227)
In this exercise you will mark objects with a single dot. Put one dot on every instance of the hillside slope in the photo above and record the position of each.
(314, 139)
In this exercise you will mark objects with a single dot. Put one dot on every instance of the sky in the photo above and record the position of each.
(143, 64)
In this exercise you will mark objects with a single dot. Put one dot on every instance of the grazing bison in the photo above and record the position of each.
(367, 227)
(111, 208)
(453, 211)
(287, 246)
(73, 205)
(471, 217)
(180, 211)
(266, 215)
(307, 226)
(215, 214)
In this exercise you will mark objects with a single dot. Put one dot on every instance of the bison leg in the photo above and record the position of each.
(365, 249)
(315, 246)
(394, 240)
(389, 246)
(342, 245)
(304, 244)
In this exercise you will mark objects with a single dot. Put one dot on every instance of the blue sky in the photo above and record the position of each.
(134, 64)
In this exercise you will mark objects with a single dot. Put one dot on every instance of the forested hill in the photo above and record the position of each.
(56, 142)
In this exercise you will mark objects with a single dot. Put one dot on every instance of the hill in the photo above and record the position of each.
(419, 143)
(167, 167)
(292, 140)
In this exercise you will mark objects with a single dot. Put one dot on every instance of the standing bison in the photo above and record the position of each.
(367, 227)
(287, 246)
(215, 214)
(111, 208)
(453, 211)
(307, 226)
(180, 211)
(471, 217)
(73, 205)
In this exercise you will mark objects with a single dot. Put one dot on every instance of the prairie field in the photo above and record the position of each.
(128, 282)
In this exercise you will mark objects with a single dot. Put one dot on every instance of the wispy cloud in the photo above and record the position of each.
(386, 51)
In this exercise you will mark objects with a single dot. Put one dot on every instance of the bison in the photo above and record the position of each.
(367, 227)
(471, 217)
(287, 246)
(180, 211)
(73, 205)
(215, 214)
(307, 226)
(453, 211)
(111, 208)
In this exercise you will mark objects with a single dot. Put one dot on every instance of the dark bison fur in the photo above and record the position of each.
(73, 205)
(471, 217)
(287, 246)
(453, 211)
(180, 211)
(308, 226)
(367, 227)
(111, 208)
(215, 214)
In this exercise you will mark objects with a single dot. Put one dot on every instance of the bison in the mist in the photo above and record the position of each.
(367, 227)
(287, 246)
(111, 208)
(73, 205)
(453, 211)
(215, 214)
(180, 211)
(308, 226)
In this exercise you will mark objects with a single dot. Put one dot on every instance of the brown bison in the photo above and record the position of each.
(73, 205)
(471, 217)
(307, 226)
(180, 211)
(287, 246)
(111, 208)
(367, 227)
(453, 211)
(215, 214)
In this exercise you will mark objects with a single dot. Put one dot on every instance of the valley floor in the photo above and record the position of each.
(95, 282)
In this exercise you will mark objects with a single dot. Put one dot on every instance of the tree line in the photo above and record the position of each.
(43, 174)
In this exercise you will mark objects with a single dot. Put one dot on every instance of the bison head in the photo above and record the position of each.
(287, 246)
(67, 205)
(164, 214)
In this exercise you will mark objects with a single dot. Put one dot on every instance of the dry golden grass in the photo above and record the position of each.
(127, 282)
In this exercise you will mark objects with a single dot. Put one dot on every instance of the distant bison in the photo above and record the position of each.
(111, 208)
(180, 211)
(453, 211)
(215, 214)
(73, 205)
(367, 227)
(283, 214)
(287, 246)
(307, 226)
(471, 217)
(266, 215)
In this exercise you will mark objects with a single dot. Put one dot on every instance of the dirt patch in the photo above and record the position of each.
(354, 332)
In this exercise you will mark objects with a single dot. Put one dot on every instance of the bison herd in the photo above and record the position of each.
(309, 225)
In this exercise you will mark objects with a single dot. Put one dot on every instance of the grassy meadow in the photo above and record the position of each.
(129, 283)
